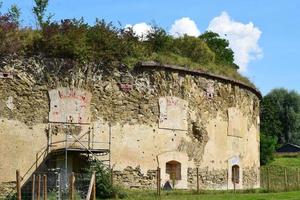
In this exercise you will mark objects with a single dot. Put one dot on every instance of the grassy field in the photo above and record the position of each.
(286, 162)
(185, 195)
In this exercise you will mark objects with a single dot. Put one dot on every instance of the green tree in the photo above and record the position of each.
(158, 40)
(15, 13)
(224, 54)
(194, 48)
(280, 115)
(39, 10)
(267, 148)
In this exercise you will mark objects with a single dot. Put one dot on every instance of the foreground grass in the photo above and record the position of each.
(188, 195)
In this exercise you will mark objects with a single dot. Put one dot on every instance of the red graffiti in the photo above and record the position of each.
(172, 102)
(72, 95)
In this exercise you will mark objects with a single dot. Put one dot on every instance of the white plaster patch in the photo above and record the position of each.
(234, 122)
(9, 103)
(235, 160)
(210, 91)
(173, 113)
(69, 105)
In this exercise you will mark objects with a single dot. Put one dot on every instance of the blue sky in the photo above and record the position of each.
(276, 22)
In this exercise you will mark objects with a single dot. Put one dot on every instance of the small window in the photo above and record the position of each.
(5, 75)
(235, 171)
(173, 168)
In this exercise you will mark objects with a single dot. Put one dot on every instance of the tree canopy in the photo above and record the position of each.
(280, 120)
(280, 115)
(220, 46)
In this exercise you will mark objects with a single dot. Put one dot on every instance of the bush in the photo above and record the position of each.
(195, 49)
(9, 36)
(104, 187)
(66, 39)
(267, 148)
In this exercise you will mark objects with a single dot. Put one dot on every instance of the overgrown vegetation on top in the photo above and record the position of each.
(103, 42)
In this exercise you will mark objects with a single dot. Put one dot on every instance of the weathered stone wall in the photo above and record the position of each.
(133, 178)
(251, 177)
(208, 179)
(129, 100)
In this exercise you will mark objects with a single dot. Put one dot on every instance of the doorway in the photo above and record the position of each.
(173, 169)
(235, 171)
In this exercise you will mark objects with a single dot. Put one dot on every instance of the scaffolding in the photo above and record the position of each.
(87, 143)
(83, 141)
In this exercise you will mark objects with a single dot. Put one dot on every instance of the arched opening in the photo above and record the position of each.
(235, 171)
(173, 169)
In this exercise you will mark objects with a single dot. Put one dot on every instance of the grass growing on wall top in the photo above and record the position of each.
(105, 43)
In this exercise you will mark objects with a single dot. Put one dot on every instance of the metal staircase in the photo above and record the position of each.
(88, 143)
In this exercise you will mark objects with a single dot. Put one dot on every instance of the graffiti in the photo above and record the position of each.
(172, 101)
(126, 87)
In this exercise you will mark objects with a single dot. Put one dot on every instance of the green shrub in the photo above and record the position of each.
(104, 187)
(195, 49)
(9, 36)
(267, 148)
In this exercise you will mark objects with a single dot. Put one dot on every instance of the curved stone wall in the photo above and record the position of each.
(160, 116)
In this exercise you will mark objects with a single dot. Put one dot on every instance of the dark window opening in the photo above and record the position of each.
(235, 171)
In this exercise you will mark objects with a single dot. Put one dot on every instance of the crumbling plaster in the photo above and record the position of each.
(129, 100)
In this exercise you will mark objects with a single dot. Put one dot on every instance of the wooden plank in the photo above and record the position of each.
(94, 187)
(285, 180)
(18, 180)
(38, 190)
(33, 187)
(158, 181)
(71, 186)
(88, 196)
(298, 178)
(197, 180)
(45, 187)
(268, 179)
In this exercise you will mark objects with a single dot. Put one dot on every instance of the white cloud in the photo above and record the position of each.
(184, 26)
(243, 38)
(140, 29)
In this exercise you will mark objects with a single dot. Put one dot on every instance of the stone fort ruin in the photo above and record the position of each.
(53, 112)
